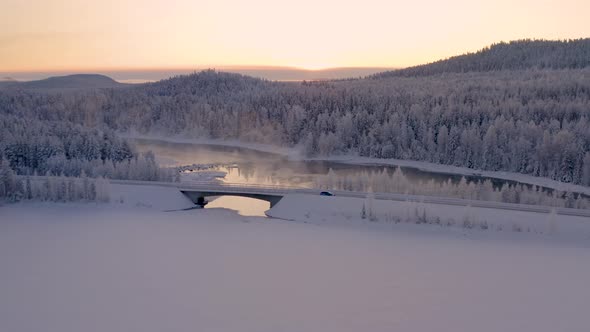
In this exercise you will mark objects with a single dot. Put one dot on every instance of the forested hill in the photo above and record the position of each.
(515, 55)
(204, 83)
(77, 81)
(534, 121)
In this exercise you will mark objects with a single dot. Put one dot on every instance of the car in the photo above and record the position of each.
(326, 193)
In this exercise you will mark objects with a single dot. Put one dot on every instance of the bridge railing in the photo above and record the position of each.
(239, 185)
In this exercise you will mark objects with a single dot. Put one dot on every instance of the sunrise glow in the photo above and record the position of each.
(128, 34)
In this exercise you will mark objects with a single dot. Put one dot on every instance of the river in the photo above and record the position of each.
(243, 165)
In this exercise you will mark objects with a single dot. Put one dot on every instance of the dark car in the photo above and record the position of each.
(326, 193)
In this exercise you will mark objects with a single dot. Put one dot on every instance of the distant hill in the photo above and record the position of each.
(7, 81)
(78, 81)
(273, 73)
(203, 83)
(298, 74)
(515, 55)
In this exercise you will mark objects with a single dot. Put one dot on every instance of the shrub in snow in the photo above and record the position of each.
(516, 227)
(467, 222)
(391, 217)
(484, 225)
(552, 222)
(468, 218)
(420, 215)
(437, 221)
(370, 210)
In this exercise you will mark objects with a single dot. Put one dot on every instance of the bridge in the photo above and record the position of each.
(197, 192)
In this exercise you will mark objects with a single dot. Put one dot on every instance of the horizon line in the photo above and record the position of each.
(196, 68)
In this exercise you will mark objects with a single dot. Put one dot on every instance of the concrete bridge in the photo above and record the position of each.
(198, 192)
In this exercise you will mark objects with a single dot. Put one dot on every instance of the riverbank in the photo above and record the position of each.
(295, 154)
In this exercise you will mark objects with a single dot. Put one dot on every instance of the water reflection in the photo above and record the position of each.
(242, 205)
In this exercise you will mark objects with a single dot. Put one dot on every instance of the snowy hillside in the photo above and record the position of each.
(515, 55)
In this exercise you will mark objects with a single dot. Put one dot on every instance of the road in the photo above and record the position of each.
(283, 190)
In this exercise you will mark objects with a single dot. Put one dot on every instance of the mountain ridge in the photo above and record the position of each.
(513, 55)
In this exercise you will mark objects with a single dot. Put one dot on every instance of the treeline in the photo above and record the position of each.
(398, 182)
(515, 55)
(51, 188)
(33, 147)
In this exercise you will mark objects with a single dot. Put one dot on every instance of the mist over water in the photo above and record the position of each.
(243, 165)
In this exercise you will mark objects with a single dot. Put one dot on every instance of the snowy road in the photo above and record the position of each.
(283, 190)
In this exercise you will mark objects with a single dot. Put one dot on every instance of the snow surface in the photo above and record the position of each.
(325, 210)
(295, 154)
(130, 266)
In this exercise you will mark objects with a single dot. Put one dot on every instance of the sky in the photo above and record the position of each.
(62, 35)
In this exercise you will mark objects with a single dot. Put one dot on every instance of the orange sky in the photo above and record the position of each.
(40, 35)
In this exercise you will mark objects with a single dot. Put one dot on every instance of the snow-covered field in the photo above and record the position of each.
(130, 266)
(323, 210)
